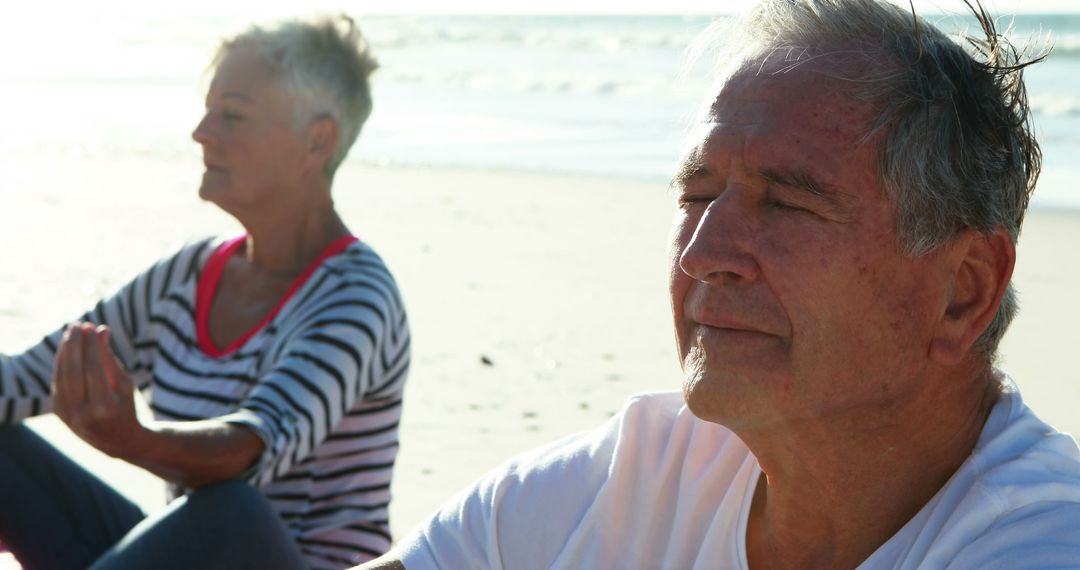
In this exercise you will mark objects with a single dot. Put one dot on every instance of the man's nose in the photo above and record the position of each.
(720, 248)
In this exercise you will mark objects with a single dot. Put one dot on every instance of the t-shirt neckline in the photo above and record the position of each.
(210, 279)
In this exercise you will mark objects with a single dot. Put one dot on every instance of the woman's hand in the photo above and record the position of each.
(95, 397)
(93, 394)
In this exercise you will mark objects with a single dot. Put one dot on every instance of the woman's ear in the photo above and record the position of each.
(982, 274)
(322, 139)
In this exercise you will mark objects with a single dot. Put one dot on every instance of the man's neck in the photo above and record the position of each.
(835, 490)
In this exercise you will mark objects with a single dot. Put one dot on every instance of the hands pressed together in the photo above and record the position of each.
(92, 393)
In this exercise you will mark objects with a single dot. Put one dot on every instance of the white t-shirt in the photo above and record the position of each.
(656, 487)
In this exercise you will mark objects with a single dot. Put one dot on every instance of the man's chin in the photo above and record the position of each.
(732, 400)
(704, 396)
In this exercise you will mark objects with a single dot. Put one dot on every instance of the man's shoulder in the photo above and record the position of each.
(653, 433)
(654, 407)
(1023, 460)
(652, 463)
(1038, 535)
(646, 419)
(662, 421)
(653, 438)
(1016, 503)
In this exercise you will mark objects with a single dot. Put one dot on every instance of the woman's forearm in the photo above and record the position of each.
(196, 453)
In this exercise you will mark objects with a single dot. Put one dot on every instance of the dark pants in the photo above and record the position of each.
(54, 515)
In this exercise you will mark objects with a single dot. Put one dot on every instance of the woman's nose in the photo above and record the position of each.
(202, 133)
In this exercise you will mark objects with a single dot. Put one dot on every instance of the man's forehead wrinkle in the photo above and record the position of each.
(746, 98)
(736, 110)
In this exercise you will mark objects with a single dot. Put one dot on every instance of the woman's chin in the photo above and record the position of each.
(210, 191)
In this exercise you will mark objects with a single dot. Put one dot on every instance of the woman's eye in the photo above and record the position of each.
(231, 116)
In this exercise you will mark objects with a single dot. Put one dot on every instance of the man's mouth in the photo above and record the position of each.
(723, 323)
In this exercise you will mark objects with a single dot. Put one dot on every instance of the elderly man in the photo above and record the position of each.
(840, 268)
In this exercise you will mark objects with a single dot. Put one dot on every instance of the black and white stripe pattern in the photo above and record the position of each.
(321, 383)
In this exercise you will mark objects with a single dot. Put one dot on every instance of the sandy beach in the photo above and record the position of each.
(538, 302)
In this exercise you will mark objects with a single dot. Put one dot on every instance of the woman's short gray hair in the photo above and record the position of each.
(958, 151)
(326, 64)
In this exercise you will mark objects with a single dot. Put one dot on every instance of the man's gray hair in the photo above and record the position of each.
(958, 149)
(326, 64)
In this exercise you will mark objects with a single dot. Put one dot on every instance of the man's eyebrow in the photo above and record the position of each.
(801, 180)
(692, 167)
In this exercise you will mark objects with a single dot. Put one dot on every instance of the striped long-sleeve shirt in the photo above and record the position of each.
(321, 382)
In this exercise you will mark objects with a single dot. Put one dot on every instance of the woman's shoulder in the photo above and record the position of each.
(187, 259)
(358, 274)
(182, 264)
(200, 247)
(360, 261)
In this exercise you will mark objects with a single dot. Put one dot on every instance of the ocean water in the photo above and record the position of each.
(597, 95)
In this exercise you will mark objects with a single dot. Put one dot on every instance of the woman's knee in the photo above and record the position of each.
(23, 450)
(230, 501)
(225, 525)
(15, 437)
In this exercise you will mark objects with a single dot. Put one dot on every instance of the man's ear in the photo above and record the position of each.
(983, 267)
(322, 139)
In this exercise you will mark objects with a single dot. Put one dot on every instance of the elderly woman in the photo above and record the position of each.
(273, 362)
